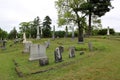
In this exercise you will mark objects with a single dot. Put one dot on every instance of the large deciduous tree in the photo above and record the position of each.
(68, 12)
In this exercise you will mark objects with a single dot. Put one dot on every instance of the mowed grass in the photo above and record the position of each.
(101, 64)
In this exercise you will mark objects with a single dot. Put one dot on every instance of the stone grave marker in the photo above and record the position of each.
(38, 52)
(58, 55)
(90, 46)
(71, 52)
(27, 47)
(4, 44)
(47, 43)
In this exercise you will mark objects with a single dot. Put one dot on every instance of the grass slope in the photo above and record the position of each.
(100, 64)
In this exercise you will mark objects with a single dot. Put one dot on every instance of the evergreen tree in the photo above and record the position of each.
(46, 27)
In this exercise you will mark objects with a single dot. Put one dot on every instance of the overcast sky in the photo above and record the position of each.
(15, 11)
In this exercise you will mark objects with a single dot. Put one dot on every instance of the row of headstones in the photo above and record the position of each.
(38, 52)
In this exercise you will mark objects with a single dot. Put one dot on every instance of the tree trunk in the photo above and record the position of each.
(89, 27)
(80, 30)
(80, 34)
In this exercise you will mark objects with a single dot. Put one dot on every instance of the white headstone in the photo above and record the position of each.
(37, 52)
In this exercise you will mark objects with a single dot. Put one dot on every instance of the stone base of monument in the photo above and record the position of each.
(43, 61)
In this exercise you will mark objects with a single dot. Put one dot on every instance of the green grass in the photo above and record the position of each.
(101, 64)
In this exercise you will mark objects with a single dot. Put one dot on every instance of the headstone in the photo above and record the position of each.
(37, 52)
(4, 44)
(71, 52)
(27, 47)
(24, 37)
(90, 46)
(58, 55)
(47, 43)
(108, 32)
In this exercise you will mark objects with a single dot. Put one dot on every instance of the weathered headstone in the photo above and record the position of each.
(4, 44)
(27, 47)
(58, 55)
(90, 46)
(71, 52)
(38, 52)
(47, 43)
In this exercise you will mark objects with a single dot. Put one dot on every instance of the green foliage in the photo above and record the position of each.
(60, 34)
(13, 33)
(104, 32)
(3, 34)
(47, 27)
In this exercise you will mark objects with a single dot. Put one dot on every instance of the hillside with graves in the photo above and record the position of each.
(60, 59)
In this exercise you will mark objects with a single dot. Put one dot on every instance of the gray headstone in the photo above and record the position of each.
(27, 47)
(90, 46)
(71, 52)
(47, 43)
(4, 44)
(37, 52)
(57, 55)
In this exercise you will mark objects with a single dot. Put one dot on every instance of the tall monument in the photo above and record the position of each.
(108, 31)
(38, 33)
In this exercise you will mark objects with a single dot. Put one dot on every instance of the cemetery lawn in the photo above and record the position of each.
(101, 64)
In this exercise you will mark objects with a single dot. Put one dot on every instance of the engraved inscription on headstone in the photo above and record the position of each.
(37, 52)
(71, 52)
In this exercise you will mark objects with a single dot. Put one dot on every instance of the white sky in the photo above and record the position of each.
(13, 12)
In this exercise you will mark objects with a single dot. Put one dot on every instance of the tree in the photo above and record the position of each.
(68, 11)
(13, 33)
(47, 27)
(30, 28)
(97, 7)
(25, 27)
(3, 34)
